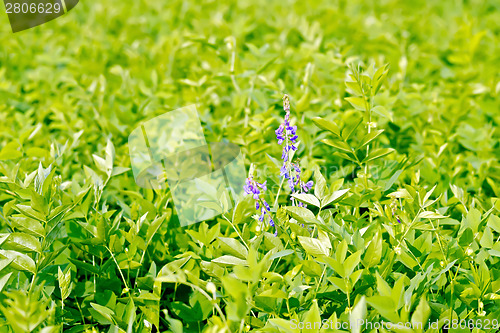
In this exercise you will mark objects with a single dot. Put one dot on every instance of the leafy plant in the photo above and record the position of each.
(373, 191)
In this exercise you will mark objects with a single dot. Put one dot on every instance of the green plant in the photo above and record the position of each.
(402, 223)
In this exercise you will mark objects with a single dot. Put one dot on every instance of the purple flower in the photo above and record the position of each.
(252, 187)
(287, 135)
(307, 186)
(257, 190)
(393, 206)
(266, 205)
(280, 134)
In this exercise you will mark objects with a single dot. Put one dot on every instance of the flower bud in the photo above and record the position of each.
(211, 288)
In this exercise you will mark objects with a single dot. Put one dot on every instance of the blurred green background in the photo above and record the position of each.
(104, 67)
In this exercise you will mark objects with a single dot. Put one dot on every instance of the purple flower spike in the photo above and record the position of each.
(287, 135)
(257, 190)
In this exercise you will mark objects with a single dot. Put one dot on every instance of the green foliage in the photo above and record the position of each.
(403, 222)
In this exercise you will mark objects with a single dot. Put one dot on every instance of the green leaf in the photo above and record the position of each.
(22, 242)
(312, 316)
(4, 279)
(377, 153)
(20, 261)
(369, 138)
(379, 78)
(382, 111)
(4, 237)
(466, 238)
(337, 184)
(487, 238)
(339, 145)
(30, 212)
(233, 246)
(383, 287)
(103, 314)
(428, 194)
(29, 225)
(230, 260)
(373, 253)
(358, 315)
(100, 163)
(313, 246)
(339, 283)
(341, 251)
(64, 280)
(351, 131)
(346, 157)
(327, 125)
(307, 199)
(86, 266)
(320, 188)
(301, 214)
(10, 152)
(351, 262)
(334, 264)
(385, 307)
(430, 215)
(282, 253)
(358, 103)
(334, 197)
(175, 325)
(354, 86)
(119, 170)
(494, 223)
(244, 210)
(421, 314)
(110, 156)
(473, 219)
(153, 228)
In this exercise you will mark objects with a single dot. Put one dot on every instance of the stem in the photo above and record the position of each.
(233, 59)
(249, 99)
(319, 283)
(368, 145)
(212, 300)
(278, 195)
(439, 242)
(80, 309)
(451, 296)
(287, 162)
(410, 225)
(237, 231)
(348, 297)
(119, 269)
(142, 258)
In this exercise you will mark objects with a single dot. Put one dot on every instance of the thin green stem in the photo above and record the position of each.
(237, 231)
(278, 195)
(212, 300)
(119, 270)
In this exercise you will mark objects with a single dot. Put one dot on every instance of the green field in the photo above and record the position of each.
(397, 112)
